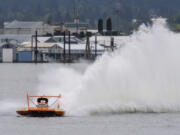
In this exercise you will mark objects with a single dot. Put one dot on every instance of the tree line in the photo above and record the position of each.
(108, 26)
(121, 12)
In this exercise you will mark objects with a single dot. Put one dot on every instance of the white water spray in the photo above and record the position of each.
(143, 76)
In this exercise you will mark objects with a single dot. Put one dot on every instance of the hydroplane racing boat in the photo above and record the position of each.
(42, 108)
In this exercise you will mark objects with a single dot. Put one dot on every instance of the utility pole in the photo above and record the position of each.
(95, 46)
(88, 50)
(69, 45)
(76, 19)
(32, 43)
(36, 50)
(112, 43)
(64, 54)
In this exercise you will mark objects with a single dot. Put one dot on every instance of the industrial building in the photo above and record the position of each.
(76, 27)
(47, 52)
(25, 47)
(27, 28)
(57, 50)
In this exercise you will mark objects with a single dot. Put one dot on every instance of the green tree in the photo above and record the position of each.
(109, 25)
(100, 26)
(174, 23)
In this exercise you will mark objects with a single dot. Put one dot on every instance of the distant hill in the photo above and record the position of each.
(121, 11)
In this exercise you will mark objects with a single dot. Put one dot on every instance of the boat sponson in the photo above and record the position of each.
(39, 112)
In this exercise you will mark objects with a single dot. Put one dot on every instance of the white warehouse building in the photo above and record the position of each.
(27, 28)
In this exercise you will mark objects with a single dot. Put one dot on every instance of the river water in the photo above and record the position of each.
(17, 79)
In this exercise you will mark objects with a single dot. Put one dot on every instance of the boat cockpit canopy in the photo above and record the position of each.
(42, 101)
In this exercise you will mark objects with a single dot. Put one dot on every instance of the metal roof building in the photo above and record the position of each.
(15, 38)
(22, 28)
(22, 25)
(76, 27)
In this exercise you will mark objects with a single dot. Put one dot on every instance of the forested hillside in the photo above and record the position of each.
(121, 11)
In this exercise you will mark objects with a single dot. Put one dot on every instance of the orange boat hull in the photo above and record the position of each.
(41, 112)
